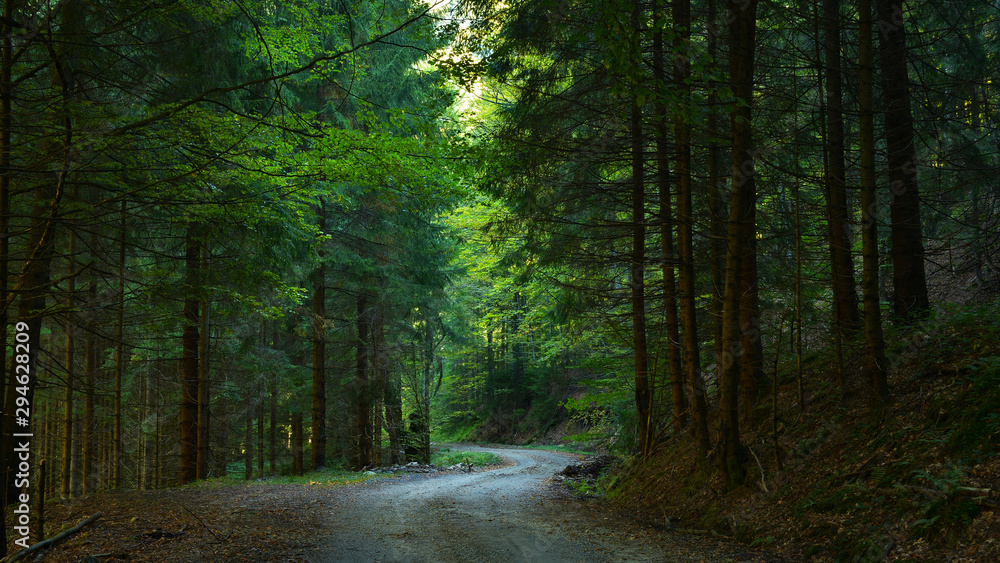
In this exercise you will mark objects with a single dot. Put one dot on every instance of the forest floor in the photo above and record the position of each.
(917, 480)
(515, 512)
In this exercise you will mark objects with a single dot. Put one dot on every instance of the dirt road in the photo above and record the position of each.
(507, 514)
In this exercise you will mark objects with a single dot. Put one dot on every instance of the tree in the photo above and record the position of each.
(845, 297)
(685, 226)
(742, 29)
(668, 268)
(875, 361)
(910, 299)
(319, 353)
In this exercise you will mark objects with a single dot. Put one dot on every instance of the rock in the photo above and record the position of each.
(587, 470)
(369, 473)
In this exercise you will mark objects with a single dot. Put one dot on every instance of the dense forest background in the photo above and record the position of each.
(263, 238)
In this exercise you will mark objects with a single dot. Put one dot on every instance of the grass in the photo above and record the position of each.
(336, 476)
(446, 456)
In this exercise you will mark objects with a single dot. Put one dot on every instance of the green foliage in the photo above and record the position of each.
(943, 517)
(838, 500)
(327, 477)
(446, 457)
(978, 433)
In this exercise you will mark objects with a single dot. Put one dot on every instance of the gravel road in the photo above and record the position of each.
(508, 514)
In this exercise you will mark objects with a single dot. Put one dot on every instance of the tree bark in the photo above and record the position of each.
(88, 398)
(205, 345)
(717, 187)
(364, 437)
(116, 453)
(189, 356)
(845, 297)
(297, 443)
(379, 374)
(678, 400)
(731, 454)
(319, 355)
(682, 138)
(248, 437)
(643, 394)
(875, 361)
(391, 390)
(909, 281)
(273, 434)
(751, 357)
(67, 451)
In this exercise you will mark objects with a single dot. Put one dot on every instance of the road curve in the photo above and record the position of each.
(506, 514)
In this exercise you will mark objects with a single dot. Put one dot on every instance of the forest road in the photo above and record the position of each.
(511, 513)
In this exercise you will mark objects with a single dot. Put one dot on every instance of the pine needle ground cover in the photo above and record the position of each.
(917, 481)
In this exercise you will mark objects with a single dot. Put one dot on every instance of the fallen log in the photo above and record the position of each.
(51, 541)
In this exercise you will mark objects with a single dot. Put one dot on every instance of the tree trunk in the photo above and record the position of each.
(33, 282)
(685, 215)
(751, 356)
(643, 395)
(678, 400)
(378, 365)
(248, 437)
(717, 187)
(319, 355)
(189, 358)
(731, 455)
(273, 434)
(364, 438)
(67, 452)
(422, 432)
(157, 466)
(909, 282)
(297, 443)
(391, 390)
(88, 398)
(116, 454)
(205, 345)
(875, 362)
(751, 352)
(845, 297)
(260, 433)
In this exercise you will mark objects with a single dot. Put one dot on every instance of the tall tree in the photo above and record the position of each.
(189, 360)
(909, 279)
(685, 225)
(643, 392)
(319, 351)
(845, 297)
(742, 31)
(366, 454)
(875, 361)
(678, 399)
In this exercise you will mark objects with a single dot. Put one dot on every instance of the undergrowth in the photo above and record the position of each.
(326, 477)
(856, 483)
(445, 457)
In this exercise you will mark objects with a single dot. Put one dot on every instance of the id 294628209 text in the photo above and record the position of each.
(23, 366)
